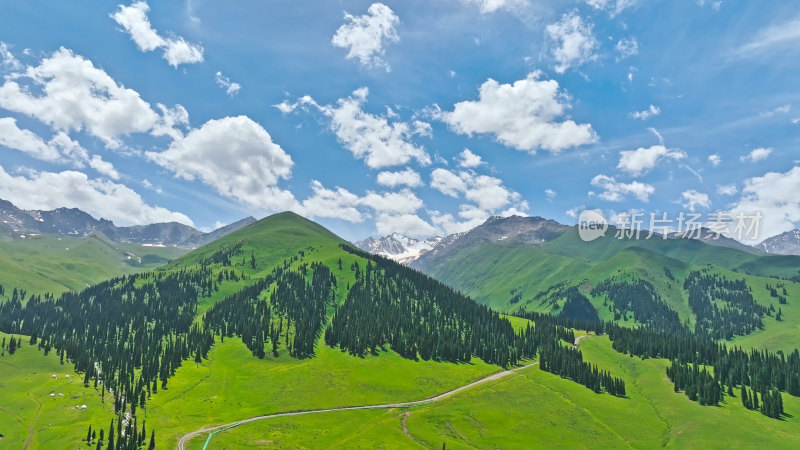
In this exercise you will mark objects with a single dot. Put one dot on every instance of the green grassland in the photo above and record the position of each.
(535, 409)
(53, 264)
(27, 411)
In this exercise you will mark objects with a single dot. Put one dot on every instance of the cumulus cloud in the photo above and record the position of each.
(469, 160)
(225, 83)
(392, 211)
(756, 155)
(235, 156)
(626, 48)
(67, 92)
(774, 197)
(402, 202)
(551, 194)
(615, 191)
(336, 203)
(487, 195)
(485, 191)
(134, 21)
(715, 160)
(373, 138)
(574, 43)
(59, 149)
(365, 36)
(407, 224)
(72, 189)
(523, 115)
(642, 160)
(408, 177)
(652, 111)
(693, 199)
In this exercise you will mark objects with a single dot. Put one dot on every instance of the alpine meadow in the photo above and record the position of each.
(505, 224)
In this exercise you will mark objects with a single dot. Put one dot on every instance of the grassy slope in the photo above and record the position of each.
(25, 402)
(54, 264)
(488, 273)
(534, 409)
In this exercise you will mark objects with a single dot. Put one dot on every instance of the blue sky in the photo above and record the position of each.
(417, 117)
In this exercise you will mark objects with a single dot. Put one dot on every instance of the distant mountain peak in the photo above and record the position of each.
(398, 247)
(75, 222)
(786, 243)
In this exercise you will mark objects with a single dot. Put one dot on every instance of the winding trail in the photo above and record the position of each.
(496, 376)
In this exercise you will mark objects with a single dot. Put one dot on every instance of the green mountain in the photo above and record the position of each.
(49, 263)
(507, 266)
(284, 316)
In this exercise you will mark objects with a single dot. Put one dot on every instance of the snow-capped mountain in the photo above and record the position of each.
(787, 243)
(398, 247)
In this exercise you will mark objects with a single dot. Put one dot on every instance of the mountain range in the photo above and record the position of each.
(15, 222)
(537, 231)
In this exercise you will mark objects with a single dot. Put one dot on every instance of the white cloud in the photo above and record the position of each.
(67, 92)
(551, 194)
(615, 191)
(490, 6)
(574, 42)
(392, 211)
(235, 156)
(364, 36)
(784, 36)
(7, 59)
(756, 155)
(656, 134)
(627, 48)
(469, 160)
(487, 192)
(652, 111)
(177, 51)
(26, 141)
(715, 160)
(447, 182)
(408, 177)
(225, 83)
(376, 140)
(59, 149)
(407, 224)
(693, 199)
(774, 196)
(468, 218)
(71, 189)
(783, 109)
(337, 204)
(103, 167)
(133, 19)
(402, 202)
(521, 115)
(727, 189)
(613, 7)
(642, 160)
